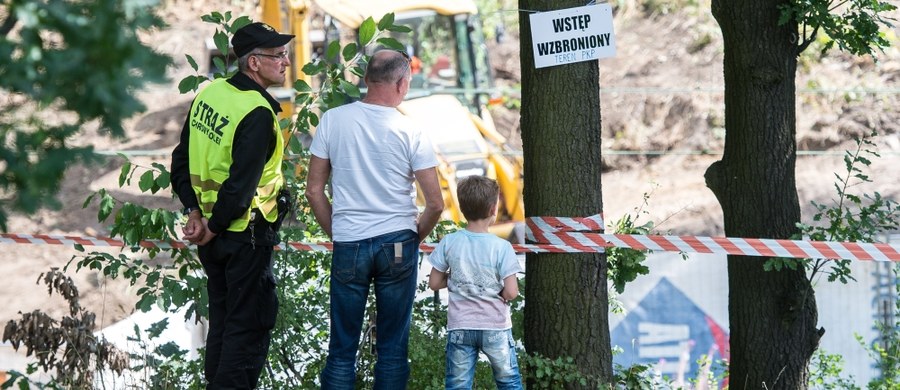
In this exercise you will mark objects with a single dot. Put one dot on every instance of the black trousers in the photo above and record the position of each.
(242, 310)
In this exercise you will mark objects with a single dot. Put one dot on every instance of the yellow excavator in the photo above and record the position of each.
(450, 89)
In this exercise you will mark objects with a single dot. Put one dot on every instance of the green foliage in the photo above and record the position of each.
(711, 374)
(165, 366)
(225, 27)
(852, 25)
(59, 38)
(22, 381)
(825, 372)
(780, 263)
(886, 350)
(625, 265)
(427, 341)
(498, 16)
(851, 218)
(173, 282)
(637, 377)
(546, 373)
(300, 338)
(45, 72)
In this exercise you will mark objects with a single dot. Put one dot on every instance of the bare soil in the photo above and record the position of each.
(661, 93)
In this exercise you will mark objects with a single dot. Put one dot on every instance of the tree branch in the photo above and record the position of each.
(807, 40)
(838, 5)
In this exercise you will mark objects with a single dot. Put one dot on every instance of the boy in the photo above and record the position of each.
(479, 269)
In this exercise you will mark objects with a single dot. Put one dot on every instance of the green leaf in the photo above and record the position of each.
(193, 63)
(145, 303)
(386, 21)
(350, 50)
(107, 203)
(219, 63)
(152, 278)
(358, 71)
(333, 48)
(240, 22)
(146, 181)
(399, 29)
(366, 31)
(163, 180)
(190, 83)
(312, 68)
(214, 18)
(302, 86)
(123, 174)
(221, 41)
(87, 201)
(349, 89)
(157, 328)
(391, 43)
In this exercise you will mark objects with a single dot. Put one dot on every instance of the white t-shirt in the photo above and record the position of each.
(373, 151)
(478, 263)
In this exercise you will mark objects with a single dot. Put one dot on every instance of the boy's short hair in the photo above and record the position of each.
(477, 196)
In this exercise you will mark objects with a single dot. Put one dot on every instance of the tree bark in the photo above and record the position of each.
(772, 314)
(566, 310)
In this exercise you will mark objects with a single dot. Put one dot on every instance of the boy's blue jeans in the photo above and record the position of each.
(353, 268)
(462, 354)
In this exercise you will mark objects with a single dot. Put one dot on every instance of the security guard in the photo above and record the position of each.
(226, 171)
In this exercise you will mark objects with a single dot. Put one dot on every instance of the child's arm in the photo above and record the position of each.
(437, 279)
(510, 288)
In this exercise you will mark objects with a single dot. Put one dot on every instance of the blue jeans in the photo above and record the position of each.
(354, 266)
(462, 354)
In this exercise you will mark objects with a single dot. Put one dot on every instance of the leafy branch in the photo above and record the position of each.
(851, 218)
(625, 264)
(171, 282)
(225, 28)
(852, 25)
(335, 89)
(45, 45)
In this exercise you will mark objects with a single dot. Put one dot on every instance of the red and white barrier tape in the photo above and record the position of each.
(580, 235)
(577, 242)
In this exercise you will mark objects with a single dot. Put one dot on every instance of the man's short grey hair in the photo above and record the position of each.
(386, 68)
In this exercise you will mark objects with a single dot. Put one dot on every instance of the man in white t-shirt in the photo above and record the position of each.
(374, 155)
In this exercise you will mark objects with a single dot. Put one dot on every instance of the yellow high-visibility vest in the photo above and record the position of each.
(214, 117)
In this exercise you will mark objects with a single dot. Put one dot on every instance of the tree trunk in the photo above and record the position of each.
(772, 314)
(566, 310)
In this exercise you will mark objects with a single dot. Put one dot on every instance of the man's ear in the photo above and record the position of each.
(253, 63)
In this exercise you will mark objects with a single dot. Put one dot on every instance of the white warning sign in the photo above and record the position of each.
(572, 35)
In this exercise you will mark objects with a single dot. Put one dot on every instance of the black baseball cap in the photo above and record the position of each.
(257, 35)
